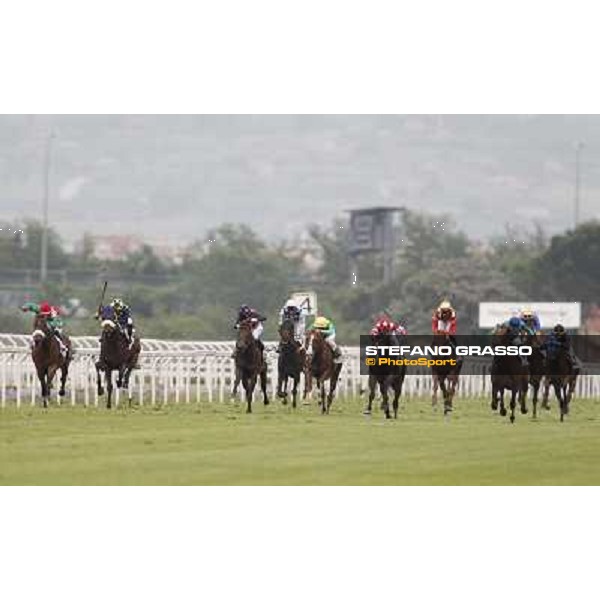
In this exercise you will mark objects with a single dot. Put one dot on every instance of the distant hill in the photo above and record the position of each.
(178, 176)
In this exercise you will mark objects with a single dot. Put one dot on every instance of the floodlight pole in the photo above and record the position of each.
(45, 210)
(578, 150)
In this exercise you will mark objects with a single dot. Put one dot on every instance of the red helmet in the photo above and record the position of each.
(45, 308)
(385, 325)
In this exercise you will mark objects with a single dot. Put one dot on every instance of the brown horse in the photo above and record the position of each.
(445, 376)
(291, 362)
(387, 378)
(508, 373)
(250, 364)
(561, 374)
(323, 367)
(47, 357)
(116, 355)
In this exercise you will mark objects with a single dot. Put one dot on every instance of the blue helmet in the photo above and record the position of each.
(514, 322)
(245, 312)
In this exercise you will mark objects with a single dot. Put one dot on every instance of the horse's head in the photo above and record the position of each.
(245, 337)
(318, 340)
(41, 330)
(286, 331)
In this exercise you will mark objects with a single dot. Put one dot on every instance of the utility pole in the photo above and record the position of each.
(578, 150)
(45, 209)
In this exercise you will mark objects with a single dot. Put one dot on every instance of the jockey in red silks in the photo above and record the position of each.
(443, 321)
(53, 320)
(385, 325)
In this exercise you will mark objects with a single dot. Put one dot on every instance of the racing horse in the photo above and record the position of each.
(537, 368)
(290, 363)
(561, 374)
(509, 372)
(249, 363)
(47, 357)
(323, 367)
(115, 355)
(386, 377)
(446, 375)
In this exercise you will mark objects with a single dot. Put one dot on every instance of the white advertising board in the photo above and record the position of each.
(307, 301)
(550, 313)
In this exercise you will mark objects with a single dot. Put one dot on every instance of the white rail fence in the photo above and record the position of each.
(186, 372)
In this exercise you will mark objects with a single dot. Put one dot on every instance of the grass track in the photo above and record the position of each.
(219, 444)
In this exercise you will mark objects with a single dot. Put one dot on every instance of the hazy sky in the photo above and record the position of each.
(178, 176)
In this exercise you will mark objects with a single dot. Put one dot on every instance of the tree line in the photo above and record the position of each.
(198, 298)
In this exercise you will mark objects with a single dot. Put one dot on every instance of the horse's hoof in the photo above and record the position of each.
(61, 393)
(101, 392)
(503, 412)
(524, 410)
(512, 418)
(367, 412)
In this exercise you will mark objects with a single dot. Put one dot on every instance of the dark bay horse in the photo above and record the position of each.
(250, 364)
(323, 368)
(445, 376)
(387, 378)
(47, 357)
(508, 373)
(115, 355)
(561, 374)
(290, 363)
(537, 368)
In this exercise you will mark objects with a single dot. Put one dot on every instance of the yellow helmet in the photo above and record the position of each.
(321, 322)
(527, 312)
(445, 305)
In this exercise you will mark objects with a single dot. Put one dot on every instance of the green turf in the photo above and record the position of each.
(219, 444)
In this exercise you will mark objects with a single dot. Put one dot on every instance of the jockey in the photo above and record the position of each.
(531, 319)
(124, 318)
(385, 325)
(246, 313)
(443, 321)
(297, 315)
(559, 338)
(53, 319)
(327, 328)
(517, 326)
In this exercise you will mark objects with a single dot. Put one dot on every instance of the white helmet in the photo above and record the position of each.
(291, 303)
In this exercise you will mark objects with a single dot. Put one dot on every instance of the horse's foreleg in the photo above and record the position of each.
(523, 398)
(43, 377)
(397, 391)
(372, 387)
(445, 395)
(435, 387)
(333, 384)
(236, 383)
(536, 389)
(263, 385)
(64, 372)
(513, 403)
(296, 381)
(109, 387)
(249, 386)
(386, 401)
(546, 393)
(99, 380)
(501, 402)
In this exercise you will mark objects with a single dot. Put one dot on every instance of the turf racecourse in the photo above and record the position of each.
(219, 444)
